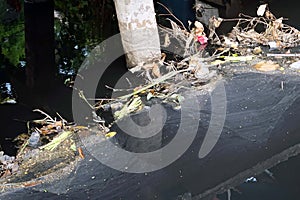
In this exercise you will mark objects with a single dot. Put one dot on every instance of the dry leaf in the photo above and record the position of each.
(270, 16)
(81, 127)
(257, 50)
(278, 23)
(80, 152)
(156, 71)
(266, 66)
(110, 134)
(199, 29)
(6, 174)
(217, 21)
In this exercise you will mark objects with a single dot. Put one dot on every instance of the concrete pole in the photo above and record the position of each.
(138, 29)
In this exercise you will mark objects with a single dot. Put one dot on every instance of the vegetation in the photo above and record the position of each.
(79, 27)
(12, 37)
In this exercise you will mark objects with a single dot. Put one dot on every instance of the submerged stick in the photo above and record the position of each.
(155, 81)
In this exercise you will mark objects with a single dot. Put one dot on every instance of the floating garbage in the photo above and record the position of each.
(34, 139)
(8, 165)
(295, 65)
(251, 180)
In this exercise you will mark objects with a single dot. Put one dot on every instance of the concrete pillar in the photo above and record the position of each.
(138, 30)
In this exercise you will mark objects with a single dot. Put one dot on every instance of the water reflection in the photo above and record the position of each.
(6, 94)
(79, 27)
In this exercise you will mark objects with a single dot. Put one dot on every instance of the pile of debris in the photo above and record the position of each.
(48, 141)
(265, 29)
(201, 58)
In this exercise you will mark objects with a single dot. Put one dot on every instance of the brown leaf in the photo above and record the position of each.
(80, 152)
(266, 66)
(156, 71)
(270, 15)
(6, 173)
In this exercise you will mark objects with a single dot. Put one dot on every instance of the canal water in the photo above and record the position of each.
(123, 186)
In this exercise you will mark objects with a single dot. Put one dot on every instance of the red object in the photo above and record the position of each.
(202, 39)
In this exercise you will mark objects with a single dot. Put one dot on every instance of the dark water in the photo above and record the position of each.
(286, 185)
(236, 151)
(287, 9)
(79, 27)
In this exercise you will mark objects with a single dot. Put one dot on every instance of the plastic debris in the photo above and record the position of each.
(34, 139)
(110, 134)
(261, 10)
(273, 45)
(251, 180)
(8, 165)
(295, 65)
